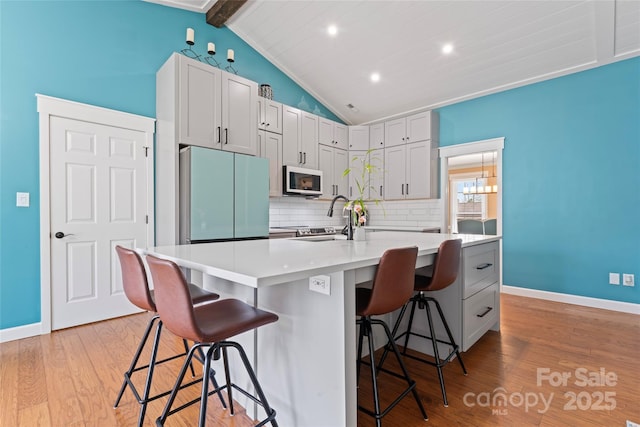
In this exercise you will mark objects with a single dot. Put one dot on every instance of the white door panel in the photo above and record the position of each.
(98, 200)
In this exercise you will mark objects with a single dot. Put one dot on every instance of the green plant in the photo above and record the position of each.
(363, 168)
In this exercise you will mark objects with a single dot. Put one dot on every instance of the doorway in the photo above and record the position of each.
(96, 191)
(471, 186)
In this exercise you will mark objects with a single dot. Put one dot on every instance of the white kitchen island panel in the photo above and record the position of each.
(306, 360)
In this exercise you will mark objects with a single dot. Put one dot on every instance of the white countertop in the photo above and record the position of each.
(266, 262)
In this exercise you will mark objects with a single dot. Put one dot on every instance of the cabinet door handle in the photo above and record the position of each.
(484, 313)
(407, 188)
(402, 185)
(218, 135)
(226, 135)
(300, 157)
(381, 191)
(268, 124)
(350, 191)
(483, 266)
(304, 156)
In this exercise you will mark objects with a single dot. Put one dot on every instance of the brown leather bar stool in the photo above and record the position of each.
(208, 325)
(136, 288)
(392, 286)
(445, 273)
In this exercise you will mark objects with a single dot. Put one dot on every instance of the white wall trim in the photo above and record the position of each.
(605, 304)
(48, 107)
(20, 332)
(492, 144)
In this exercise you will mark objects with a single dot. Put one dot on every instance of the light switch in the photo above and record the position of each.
(614, 278)
(22, 200)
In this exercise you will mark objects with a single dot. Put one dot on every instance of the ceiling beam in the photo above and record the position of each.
(222, 10)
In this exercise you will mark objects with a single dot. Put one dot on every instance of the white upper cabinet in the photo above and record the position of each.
(411, 156)
(299, 138)
(269, 115)
(359, 138)
(414, 128)
(207, 107)
(333, 162)
(333, 134)
(376, 136)
(239, 115)
(198, 97)
(409, 171)
(309, 139)
(271, 148)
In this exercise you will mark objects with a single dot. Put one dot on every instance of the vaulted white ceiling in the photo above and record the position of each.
(497, 45)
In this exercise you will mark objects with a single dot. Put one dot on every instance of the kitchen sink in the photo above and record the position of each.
(318, 238)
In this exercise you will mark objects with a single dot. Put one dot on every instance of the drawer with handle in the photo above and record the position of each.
(480, 267)
(479, 313)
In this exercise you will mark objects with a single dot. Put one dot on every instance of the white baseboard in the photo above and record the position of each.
(19, 332)
(625, 307)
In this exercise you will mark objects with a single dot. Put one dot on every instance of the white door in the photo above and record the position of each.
(98, 188)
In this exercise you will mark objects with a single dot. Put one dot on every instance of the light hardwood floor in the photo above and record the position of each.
(71, 377)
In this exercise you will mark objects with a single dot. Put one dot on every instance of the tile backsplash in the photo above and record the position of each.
(297, 211)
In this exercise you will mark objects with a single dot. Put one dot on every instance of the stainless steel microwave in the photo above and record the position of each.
(301, 182)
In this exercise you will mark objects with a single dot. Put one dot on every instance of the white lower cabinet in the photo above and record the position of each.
(479, 314)
(332, 163)
(471, 305)
(271, 148)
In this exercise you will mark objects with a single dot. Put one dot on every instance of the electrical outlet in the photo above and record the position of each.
(614, 278)
(321, 284)
(628, 279)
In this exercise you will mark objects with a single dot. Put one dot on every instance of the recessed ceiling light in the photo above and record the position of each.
(332, 30)
(375, 77)
(447, 48)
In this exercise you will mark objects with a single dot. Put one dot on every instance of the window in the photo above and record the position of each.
(469, 206)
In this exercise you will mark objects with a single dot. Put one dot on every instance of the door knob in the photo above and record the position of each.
(60, 235)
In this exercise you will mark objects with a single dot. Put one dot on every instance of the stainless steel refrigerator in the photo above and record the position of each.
(223, 196)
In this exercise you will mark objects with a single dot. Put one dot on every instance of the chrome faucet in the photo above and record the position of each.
(349, 226)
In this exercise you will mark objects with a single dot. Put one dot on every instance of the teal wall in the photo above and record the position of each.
(571, 193)
(104, 53)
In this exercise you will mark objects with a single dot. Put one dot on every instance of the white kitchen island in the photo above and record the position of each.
(305, 361)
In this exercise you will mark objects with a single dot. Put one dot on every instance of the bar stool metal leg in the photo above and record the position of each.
(136, 357)
(367, 329)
